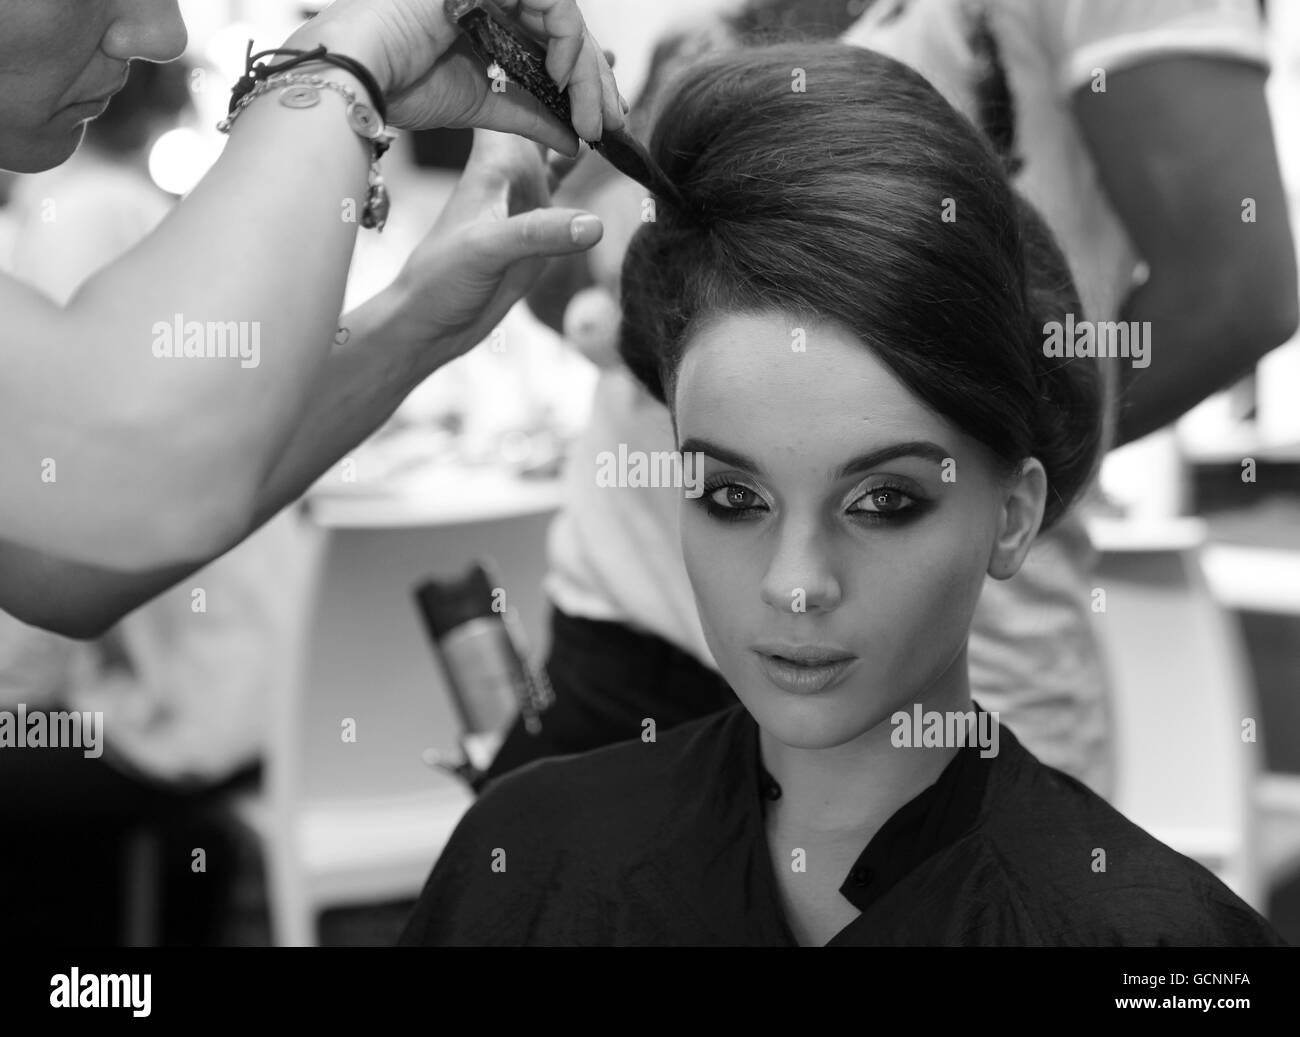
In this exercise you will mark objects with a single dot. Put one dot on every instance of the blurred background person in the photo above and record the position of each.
(184, 684)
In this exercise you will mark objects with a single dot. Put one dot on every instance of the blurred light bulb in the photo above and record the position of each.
(180, 158)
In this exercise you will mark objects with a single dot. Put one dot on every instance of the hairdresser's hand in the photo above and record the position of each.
(432, 78)
(488, 246)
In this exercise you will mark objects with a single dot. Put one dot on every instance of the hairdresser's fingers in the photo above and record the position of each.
(559, 166)
(606, 92)
(538, 233)
(529, 172)
(502, 168)
(573, 61)
(585, 86)
(507, 175)
(561, 24)
(520, 113)
(616, 106)
(463, 97)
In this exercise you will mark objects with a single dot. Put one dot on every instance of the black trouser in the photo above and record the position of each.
(608, 679)
(64, 822)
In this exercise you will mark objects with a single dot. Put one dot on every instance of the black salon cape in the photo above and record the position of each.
(664, 844)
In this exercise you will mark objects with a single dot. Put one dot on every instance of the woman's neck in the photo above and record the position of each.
(852, 789)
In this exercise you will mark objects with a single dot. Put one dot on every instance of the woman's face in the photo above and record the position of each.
(60, 62)
(844, 532)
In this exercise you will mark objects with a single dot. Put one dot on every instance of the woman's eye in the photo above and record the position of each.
(735, 498)
(883, 500)
(731, 502)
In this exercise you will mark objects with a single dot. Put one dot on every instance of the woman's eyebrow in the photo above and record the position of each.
(922, 448)
(731, 457)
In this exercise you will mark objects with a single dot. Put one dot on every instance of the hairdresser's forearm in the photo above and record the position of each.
(362, 383)
(260, 249)
(1203, 338)
(263, 239)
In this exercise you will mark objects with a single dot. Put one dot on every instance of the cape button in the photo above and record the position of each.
(861, 876)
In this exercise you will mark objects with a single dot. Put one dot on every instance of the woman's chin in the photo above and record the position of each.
(810, 721)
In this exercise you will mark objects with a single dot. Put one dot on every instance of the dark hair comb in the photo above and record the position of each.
(499, 40)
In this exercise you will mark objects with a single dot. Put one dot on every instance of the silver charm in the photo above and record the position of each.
(300, 96)
(362, 118)
(375, 215)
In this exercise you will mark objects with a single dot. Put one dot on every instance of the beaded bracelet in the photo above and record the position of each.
(255, 69)
(301, 90)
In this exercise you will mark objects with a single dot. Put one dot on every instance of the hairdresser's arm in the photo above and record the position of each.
(482, 255)
(363, 380)
(1181, 144)
(116, 458)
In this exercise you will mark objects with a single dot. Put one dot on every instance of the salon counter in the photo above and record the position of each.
(441, 497)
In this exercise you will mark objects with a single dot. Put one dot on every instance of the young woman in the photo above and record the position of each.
(847, 325)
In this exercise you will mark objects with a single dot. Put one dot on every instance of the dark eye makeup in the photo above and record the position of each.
(885, 501)
(727, 500)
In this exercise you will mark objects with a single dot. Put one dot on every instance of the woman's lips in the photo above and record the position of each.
(805, 672)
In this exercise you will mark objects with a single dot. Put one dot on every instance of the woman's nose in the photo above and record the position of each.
(801, 575)
(148, 29)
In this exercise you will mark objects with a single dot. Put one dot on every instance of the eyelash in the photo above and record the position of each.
(723, 513)
(900, 514)
(720, 511)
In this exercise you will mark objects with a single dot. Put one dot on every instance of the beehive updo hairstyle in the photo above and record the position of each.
(865, 199)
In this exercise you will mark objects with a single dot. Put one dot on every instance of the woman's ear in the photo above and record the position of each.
(1019, 520)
